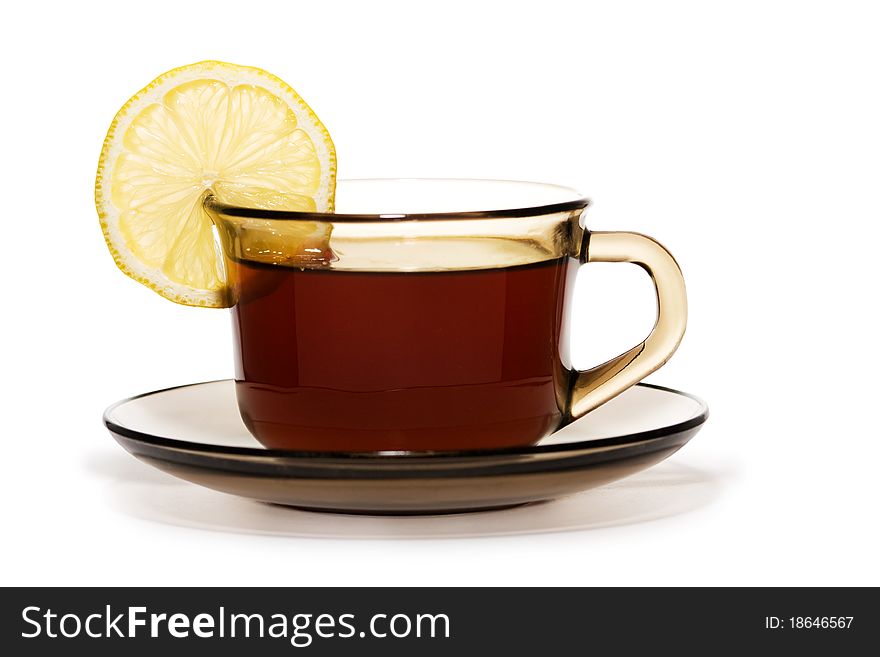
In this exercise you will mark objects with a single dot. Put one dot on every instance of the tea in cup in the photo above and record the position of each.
(425, 315)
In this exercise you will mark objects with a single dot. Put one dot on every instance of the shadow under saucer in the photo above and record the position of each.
(666, 490)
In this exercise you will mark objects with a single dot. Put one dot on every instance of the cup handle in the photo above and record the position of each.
(595, 386)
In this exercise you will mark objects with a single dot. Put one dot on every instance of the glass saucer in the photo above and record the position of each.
(194, 432)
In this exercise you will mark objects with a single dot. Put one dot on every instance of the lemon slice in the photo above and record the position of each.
(234, 131)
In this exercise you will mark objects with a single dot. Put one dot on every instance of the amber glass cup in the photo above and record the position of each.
(425, 315)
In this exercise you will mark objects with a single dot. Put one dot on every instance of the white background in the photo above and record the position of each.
(745, 136)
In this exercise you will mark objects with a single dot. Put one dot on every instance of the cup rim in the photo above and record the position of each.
(576, 202)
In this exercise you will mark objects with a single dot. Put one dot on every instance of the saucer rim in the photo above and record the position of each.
(567, 448)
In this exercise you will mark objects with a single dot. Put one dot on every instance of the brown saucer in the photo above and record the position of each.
(194, 432)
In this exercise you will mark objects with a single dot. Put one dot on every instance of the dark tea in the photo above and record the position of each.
(331, 360)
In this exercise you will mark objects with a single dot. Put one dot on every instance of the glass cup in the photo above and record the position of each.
(425, 315)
